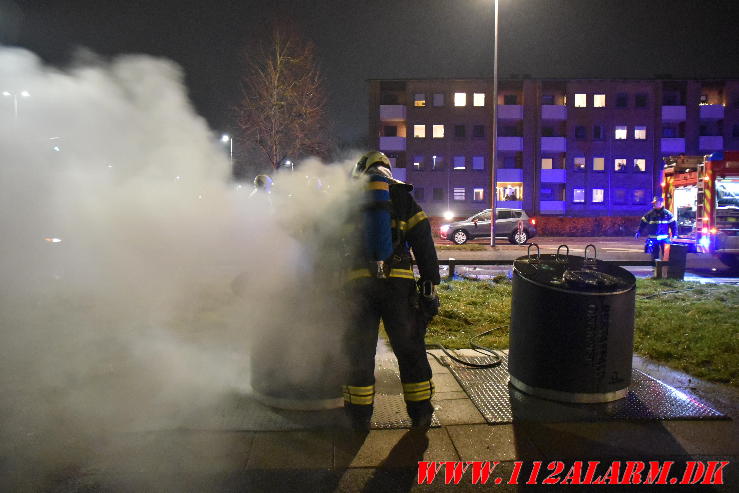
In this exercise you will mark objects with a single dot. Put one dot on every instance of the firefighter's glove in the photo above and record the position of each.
(428, 300)
(637, 234)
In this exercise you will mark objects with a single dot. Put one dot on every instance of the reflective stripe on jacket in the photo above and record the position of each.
(658, 223)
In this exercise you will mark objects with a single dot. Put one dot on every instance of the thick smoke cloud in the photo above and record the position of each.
(134, 275)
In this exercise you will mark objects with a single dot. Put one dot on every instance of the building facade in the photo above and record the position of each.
(577, 147)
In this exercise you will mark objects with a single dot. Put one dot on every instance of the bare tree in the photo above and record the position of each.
(282, 111)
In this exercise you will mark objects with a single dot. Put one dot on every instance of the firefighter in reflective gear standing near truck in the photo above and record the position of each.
(658, 224)
(382, 286)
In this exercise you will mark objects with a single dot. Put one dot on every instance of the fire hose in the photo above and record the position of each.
(486, 351)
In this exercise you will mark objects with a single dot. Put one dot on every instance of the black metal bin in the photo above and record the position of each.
(572, 327)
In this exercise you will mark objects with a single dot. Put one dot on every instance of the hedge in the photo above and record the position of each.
(573, 226)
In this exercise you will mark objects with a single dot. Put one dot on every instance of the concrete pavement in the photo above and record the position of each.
(336, 459)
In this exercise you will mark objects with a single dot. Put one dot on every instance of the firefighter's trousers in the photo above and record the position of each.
(393, 300)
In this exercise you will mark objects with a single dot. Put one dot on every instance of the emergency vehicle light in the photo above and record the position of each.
(704, 231)
(532, 221)
(713, 231)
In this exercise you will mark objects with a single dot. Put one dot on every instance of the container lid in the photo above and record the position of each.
(574, 273)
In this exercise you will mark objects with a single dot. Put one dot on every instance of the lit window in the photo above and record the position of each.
(419, 131)
(621, 132)
(578, 195)
(459, 162)
(438, 131)
(640, 164)
(478, 162)
(438, 162)
(458, 194)
(510, 191)
(546, 163)
(419, 100)
(619, 165)
(640, 133)
(599, 100)
(478, 195)
(598, 195)
(579, 164)
(418, 162)
(581, 100)
(460, 99)
(599, 164)
(438, 99)
(478, 99)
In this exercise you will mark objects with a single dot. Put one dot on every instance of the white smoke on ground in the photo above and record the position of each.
(121, 235)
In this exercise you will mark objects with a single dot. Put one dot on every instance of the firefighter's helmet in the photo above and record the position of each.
(658, 198)
(370, 160)
(263, 182)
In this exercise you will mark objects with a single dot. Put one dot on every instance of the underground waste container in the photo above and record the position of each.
(572, 327)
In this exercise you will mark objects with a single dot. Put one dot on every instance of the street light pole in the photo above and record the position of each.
(24, 94)
(494, 151)
(227, 138)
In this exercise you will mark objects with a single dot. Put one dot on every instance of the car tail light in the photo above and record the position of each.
(533, 221)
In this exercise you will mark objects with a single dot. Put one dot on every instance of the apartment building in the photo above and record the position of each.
(575, 147)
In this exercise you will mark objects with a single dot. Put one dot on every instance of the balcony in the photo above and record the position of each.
(672, 146)
(392, 143)
(509, 175)
(553, 175)
(552, 207)
(673, 113)
(553, 112)
(392, 112)
(509, 204)
(510, 112)
(712, 111)
(710, 143)
(510, 143)
(553, 144)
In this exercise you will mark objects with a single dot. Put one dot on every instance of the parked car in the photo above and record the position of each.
(513, 224)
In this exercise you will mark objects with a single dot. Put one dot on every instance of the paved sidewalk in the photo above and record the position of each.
(383, 460)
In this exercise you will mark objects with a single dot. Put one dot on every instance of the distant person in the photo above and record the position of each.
(382, 286)
(659, 225)
(263, 190)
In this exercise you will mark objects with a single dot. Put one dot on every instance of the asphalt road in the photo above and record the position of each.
(607, 248)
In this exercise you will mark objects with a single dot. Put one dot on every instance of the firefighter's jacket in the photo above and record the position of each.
(411, 231)
(658, 223)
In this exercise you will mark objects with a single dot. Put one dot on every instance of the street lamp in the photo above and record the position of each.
(227, 138)
(494, 150)
(23, 94)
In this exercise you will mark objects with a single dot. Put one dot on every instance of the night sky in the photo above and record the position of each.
(360, 40)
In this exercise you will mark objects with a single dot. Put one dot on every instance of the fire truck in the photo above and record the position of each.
(702, 192)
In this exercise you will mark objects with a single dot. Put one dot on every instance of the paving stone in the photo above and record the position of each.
(458, 412)
(485, 442)
(291, 450)
(706, 437)
(445, 382)
(590, 440)
(394, 448)
(443, 396)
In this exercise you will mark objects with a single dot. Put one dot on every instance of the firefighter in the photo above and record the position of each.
(382, 286)
(659, 225)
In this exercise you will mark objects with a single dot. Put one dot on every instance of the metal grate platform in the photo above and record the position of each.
(647, 399)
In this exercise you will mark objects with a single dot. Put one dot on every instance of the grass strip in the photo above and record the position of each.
(687, 326)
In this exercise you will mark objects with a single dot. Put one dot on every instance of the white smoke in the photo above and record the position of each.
(120, 239)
